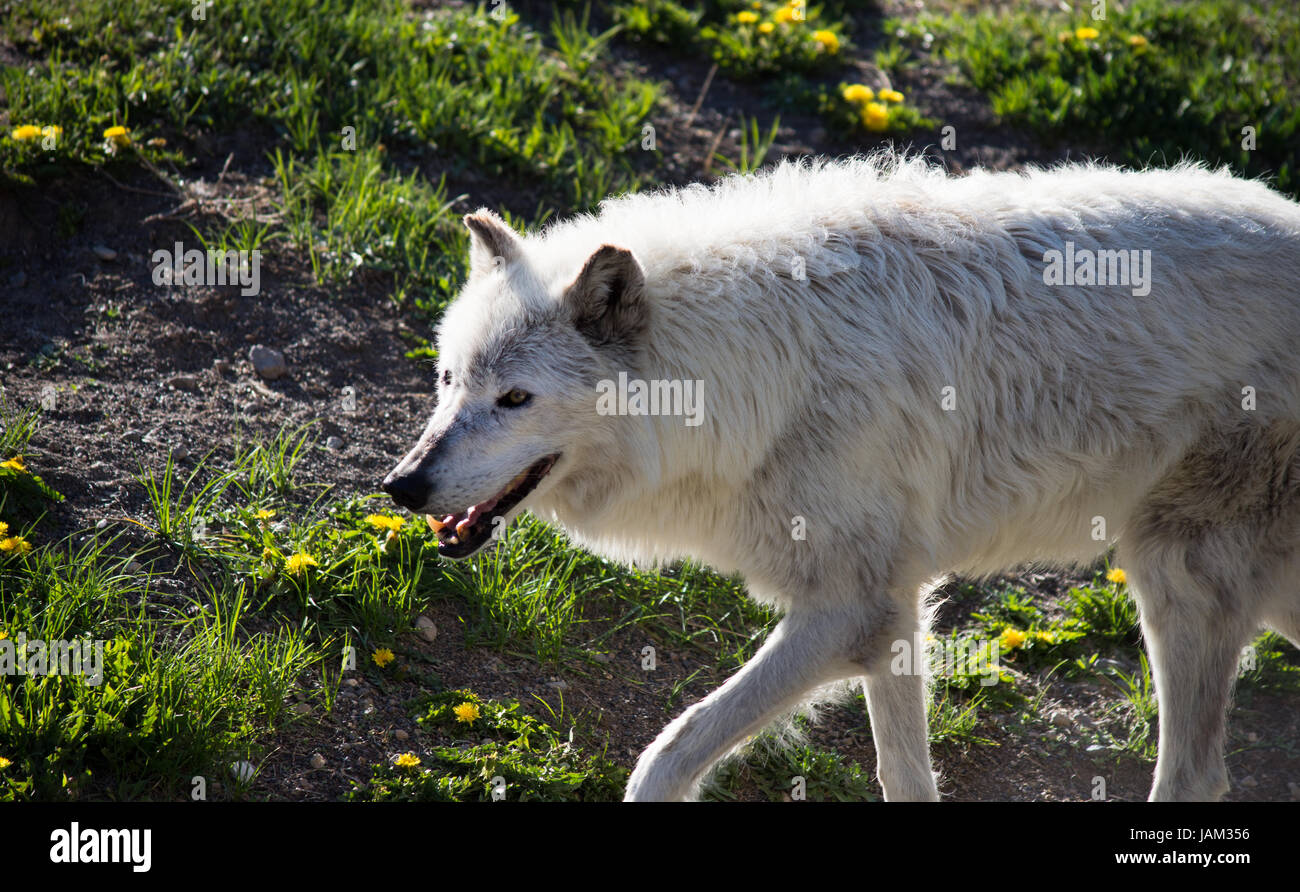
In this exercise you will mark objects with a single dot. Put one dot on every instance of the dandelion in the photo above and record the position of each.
(766, 28)
(467, 712)
(1137, 41)
(265, 513)
(15, 464)
(408, 760)
(386, 522)
(858, 93)
(15, 545)
(4, 529)
(891, 96)
(268, 555)
(875, 116)
(784, 15)
(53, 131)
(4, 763)
(119, 137)
(299, 562)
(1087, 33)
(828, 41)
(1012, 638)
(1117, 576)
(746, 17)
(25, 133)
(4, 633)
(383, 657)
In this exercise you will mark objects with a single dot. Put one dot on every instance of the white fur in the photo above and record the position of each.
(822, 401)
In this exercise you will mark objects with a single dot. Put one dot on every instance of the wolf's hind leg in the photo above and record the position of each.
(1194, 654)
(1204, 553)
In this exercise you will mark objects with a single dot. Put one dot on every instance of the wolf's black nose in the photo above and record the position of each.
(407, 490)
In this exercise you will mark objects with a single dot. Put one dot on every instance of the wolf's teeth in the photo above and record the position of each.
(462, 527)
(434, 525)
(454, 540)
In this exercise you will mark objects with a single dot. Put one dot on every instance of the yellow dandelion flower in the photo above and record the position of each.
(784, 15)
(875, 116)
(15, 545)
(890, 96)
(265, 513)
(1137, 41)
(766, 28)
(383, 657)
(828, 40)
(14, 464)
(745, 17)
(858, 93)
(25, 133)
(4, 633)
(1117, 576)
(4, 763)
(4, 529)
(297, 563)
(756, 4)
(1087, 33)
(53, 130)
(1012, 638)
(119, 136)
(467, 712)
(386, 522)
(408, 760)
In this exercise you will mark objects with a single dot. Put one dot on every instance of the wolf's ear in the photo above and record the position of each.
(607, 301)
(492, 243)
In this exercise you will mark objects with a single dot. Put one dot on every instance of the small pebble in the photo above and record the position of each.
(268, 363)
(104, 252)
(333, 443)
(401, 735)
(427, 629)
(317, 760)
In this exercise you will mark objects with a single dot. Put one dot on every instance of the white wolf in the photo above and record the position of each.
(897, 383)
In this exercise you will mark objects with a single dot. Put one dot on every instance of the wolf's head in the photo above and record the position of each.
(519, 355)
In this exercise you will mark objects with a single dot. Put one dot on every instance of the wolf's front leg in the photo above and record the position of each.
(804, 652)
(897, 705)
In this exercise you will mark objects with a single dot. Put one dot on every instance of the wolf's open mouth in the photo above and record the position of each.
(460, 535)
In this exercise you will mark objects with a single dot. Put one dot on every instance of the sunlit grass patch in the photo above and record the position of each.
(492, 750)
(1153, 81)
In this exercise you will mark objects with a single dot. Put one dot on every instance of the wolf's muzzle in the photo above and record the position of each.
(410, 490)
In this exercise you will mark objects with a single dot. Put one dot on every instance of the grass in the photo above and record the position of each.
(517, 758)
(1155, 83)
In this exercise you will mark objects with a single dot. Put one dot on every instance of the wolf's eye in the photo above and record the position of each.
(514, 399)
